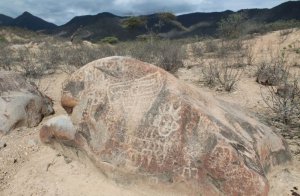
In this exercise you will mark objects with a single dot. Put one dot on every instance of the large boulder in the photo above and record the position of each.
(21, 103)
(136, 120)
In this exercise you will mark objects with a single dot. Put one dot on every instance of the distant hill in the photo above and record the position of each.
(207, 23)
(31, 22)
(195, 18)
(285, 11)
(27, 21)
(5, 20)
(106, 24)
(103, 24)
(97, 27)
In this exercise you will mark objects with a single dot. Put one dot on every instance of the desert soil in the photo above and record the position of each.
(28, 167)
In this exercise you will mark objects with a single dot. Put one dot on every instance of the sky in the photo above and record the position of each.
(61, 11)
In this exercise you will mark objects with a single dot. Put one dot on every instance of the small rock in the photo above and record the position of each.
(2, 145)
(67, 160)
(32, 142)
(219, 89)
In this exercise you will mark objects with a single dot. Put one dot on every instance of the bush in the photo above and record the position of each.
(223, 74)
(285, 32)
(29, 64)
(232, 26)
(2, 39)
(282, 24)
(110, 40)
(284, 101)
(166, 54)
(272, 73)
(226, 48)
(211, 46)
(166, 16)
(210, 75)
(6, 58)
(80, 55)
(133, 22)
(283, 93)
(36, 60)
(197, 49)
(171, 57)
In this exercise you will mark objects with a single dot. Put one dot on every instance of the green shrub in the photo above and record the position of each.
(283, 24)
(232, 27)
(211, 46)
(110, 40)
(2, 39)
(223, 74)
(284, 101)
(166, 16)
(166, 54)
(282, 95)
(6, 58)
(133, 22)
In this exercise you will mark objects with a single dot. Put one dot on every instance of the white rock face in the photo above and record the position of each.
(21, 104)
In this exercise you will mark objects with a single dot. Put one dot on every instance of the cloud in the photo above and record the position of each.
(61, 11)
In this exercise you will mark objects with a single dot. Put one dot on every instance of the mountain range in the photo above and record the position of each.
(96, 27)
(28, 21)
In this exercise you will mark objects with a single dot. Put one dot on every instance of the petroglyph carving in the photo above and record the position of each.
(189, 173)
(220, 165)
(166, 121)
(135, 97)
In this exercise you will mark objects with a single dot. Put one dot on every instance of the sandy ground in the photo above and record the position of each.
(28, 167)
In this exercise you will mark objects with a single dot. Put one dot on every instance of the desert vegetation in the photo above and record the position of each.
(38, 57)
(282, 95)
